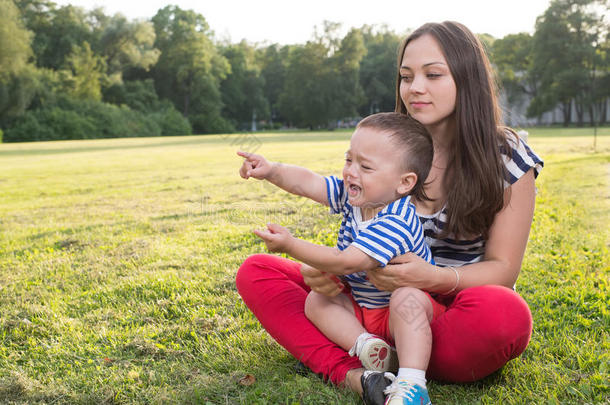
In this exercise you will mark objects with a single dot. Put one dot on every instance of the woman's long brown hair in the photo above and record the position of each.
(474, 179)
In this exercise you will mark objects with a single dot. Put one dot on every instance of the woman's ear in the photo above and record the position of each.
(407, 182)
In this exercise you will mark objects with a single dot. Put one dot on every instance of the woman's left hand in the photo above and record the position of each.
(408, 270)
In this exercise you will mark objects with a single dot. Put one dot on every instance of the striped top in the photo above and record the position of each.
(395, 230)
(451, 252)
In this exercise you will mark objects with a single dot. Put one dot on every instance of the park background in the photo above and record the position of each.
(118, 256)
(71, 73)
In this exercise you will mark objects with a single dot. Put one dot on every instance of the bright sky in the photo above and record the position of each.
(291, 22)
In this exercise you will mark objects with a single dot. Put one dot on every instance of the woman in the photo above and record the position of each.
(477, 223)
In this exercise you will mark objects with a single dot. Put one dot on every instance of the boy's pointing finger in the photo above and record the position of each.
(262, 234)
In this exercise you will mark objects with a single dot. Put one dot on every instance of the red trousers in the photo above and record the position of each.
(482, 329)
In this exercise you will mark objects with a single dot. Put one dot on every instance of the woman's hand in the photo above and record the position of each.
(320, 282)
(408, 270)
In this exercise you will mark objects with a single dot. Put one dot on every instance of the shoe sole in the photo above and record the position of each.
(377, 355)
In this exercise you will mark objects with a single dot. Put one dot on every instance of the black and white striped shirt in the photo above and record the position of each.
(451, 252)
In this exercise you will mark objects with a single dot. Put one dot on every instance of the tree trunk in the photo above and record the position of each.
(603, 107)
(566, 109)
(580, 111)
(187, 102)
(187, 85)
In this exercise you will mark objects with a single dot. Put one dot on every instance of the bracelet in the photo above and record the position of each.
(457, 281)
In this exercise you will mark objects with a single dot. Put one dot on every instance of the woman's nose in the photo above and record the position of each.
(417, 84)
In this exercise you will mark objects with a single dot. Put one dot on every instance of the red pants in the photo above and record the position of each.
(482, 329)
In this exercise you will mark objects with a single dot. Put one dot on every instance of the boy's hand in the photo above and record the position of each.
(321, 282)
(254, 166)
(276, 237)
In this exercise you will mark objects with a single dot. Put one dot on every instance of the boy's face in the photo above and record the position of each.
(373, 171)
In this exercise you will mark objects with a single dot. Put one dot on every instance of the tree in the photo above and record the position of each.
(16, 93)
(346, 92)
(190, 68)
(273, 61)
(56, 30)
(85, 74)
(15, 40)
(601, 80)
(564, 56)
(324, 79)
(243, 89)
(487, 41)
(126, 44)
(512, 59)
(17, 76)
(378, 69)
(139, 95)
(303, 100)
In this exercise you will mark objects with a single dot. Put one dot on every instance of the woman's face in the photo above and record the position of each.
(426, 86)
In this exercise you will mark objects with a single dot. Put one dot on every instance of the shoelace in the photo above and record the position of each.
(357, 347)
(387, 374)
(403, 389)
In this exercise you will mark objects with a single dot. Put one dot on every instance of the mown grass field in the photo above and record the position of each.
(118, 257)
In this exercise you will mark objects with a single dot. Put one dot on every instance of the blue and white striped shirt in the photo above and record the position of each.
(394, 231)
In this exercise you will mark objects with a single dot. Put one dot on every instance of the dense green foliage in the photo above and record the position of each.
(14, 39)
(172, 65)
(77, 119)
(566, 62)
(118, 258)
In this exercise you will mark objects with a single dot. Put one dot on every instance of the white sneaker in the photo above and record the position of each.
(375, 353)
(402, 392)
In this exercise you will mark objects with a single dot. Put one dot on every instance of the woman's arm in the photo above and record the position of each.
(501, 264)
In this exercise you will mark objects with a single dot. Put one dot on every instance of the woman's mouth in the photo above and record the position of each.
(419, 104)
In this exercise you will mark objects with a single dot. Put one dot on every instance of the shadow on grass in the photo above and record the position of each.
(229, 140)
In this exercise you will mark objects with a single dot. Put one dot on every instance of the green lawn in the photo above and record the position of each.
(118, 257)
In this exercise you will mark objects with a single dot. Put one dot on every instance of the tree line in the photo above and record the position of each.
(68, 73)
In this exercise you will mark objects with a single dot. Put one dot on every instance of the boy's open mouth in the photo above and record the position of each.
(353, 190)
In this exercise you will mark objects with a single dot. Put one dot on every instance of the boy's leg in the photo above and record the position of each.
(410, 315)
(342, 320)
(335, 317)
(411, 311)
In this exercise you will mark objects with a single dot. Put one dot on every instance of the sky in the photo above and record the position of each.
(293, 22)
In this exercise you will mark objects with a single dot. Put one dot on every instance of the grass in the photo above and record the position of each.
(117, 264)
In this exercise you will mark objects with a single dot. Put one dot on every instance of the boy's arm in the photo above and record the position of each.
(324, 258)
(294, 179)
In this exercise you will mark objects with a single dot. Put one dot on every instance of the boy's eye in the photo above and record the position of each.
(367, 167)
(348, 160)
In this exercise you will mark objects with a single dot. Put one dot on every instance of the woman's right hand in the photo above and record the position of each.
(254, 166)
(408, 270)
(321, 282)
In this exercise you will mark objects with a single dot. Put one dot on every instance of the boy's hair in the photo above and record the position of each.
(413, 138)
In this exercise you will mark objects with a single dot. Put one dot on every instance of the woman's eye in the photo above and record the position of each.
(405, 78)
(433, 75)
